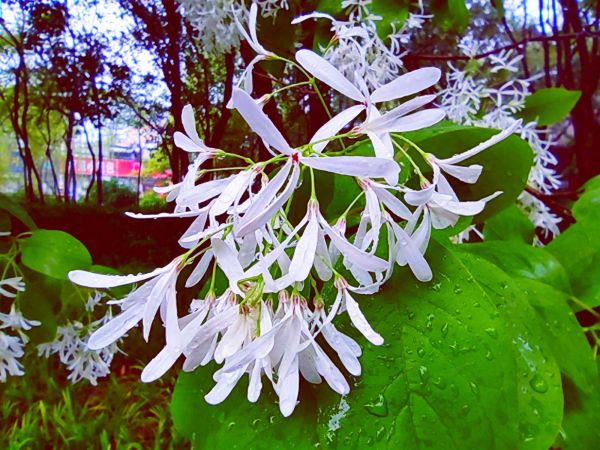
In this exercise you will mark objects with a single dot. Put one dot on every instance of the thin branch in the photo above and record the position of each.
(556, 37)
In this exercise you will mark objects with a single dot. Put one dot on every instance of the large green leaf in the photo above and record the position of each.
(54, 253)
(16, 210)
(524, 261)
(562, 332)
(509, 225)
(236, 423)
(445, 377)
(550, 105)
(540, 397)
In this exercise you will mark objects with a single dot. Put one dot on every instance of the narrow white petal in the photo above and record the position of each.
(333, 126)
(189, 124)
(323, 264)
(185, 143)
(360, 322)
(223, 388)
(388, 120)
(199, 270)
(313, 15)
(288, 388)
(324, 71)
(263, 198)
(98, 280)
(393, 203)
(468, 174)
(304, 254)
(382, 145)
(262, 217)
(407, 84)
(330, 372)
(346, 352)
(411, 122)
(259, 121)
(255, 383)
(356, 166)
(116, 327)
(157, 296)
(237, 185)
(228, 263)
(161, 215)
(362, 259)
(483, 146)
(409, 253)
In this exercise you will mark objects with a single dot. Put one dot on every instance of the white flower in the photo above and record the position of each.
(363, 166)
(73, 351)
(15, 283)
(376, 126)
(142, 304)
(15, 320)
(11, 349)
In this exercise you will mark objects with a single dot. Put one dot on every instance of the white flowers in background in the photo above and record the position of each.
(359, 53)
(71, 346)
(269, 320)
(11, 349)
(214, 20)
(11, 286)
(11, 346)
(463, 98)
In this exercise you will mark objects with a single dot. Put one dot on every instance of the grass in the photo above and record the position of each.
(44, 410)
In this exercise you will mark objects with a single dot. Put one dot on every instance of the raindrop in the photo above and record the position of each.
(489, 356)
(423, 373)
(231, 425)
(445, 329)
(458, 290)
(538, 384)
(474, 388)
(465, 410)
(440, 383)
(377, 407)
(492, 332)
(380, 433)
(421, 352)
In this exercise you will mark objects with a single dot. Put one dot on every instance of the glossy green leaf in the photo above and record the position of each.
(54, 253)
(523, 260)
(548, 106)
(540, 397)
(509, 225)
(236, 423)
(9, 205)
(562, 332)
(445, 377)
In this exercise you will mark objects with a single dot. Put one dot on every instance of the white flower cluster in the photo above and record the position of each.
(214, 20)
(271, 321)
(468, 91)
(12, 346)
(71, 345)
(359, 52)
